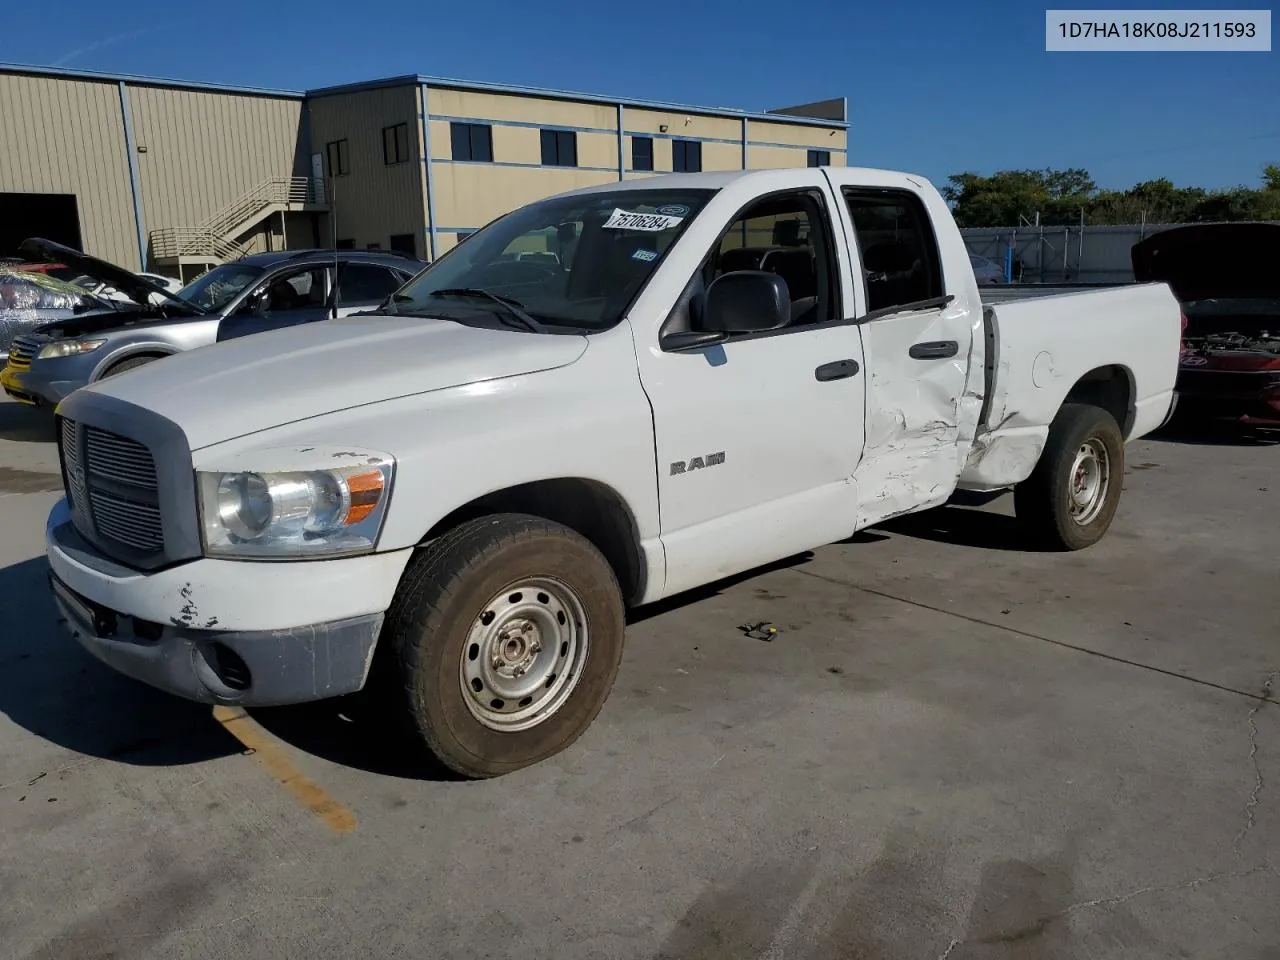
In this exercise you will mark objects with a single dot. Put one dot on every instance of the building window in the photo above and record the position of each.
(395, 144)
(404, 243)
(642, 153)
(686, 156)
(819, 158)
(471, 141)
(373, 246)
(337, 153)
(349, 244)
(459, 237)
(559, 148)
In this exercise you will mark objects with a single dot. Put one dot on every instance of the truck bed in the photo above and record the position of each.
(1007, 292)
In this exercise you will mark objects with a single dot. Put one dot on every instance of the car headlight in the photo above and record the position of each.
(68, 348)
(294, 514)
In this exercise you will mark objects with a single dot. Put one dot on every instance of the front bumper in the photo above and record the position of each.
(244, 667)
(37, 386)
(220, 631)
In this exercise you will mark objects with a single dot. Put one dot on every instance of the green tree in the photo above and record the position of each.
(1010, 197)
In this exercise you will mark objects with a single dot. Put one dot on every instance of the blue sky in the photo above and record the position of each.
(932, 87)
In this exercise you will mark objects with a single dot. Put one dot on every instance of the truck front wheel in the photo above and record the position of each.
(507, 635)
(1071, 497)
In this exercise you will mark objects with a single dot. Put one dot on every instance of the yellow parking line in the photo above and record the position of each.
(307, 792)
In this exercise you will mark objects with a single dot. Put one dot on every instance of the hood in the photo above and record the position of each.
(242, 386)
(131, 285)
(126, 315)
(1227, 261)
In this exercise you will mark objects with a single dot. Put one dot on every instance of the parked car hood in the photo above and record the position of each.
(136, 288)
(126, 315)
(242, 386)
(1212, 260)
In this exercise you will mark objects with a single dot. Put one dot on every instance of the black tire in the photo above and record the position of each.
(1044, 501)
(132, 363)
(438, 615)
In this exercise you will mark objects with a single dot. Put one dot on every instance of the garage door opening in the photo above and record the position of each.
(53, 216)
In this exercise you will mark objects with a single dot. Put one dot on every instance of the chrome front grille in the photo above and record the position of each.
(119, 458)
(111, 488)
(20, 354)
(135, 525)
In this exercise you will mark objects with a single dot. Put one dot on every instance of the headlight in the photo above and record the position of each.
(68, 348)
(294, 514)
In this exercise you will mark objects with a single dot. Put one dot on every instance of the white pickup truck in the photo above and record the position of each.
(460, 495)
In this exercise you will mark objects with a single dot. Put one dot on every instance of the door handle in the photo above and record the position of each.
(934, 350)
(836, 370)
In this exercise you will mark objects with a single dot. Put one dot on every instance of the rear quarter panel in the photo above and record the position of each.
(1044, 347)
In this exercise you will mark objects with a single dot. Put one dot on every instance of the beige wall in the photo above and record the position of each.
(67, 136)
(775, 145)
(688, 126)
(465, 104)
(375, 201)
(204, 150)
(471, 194)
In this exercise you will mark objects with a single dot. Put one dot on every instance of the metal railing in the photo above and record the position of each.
(215, 238)
(172, 243)
(277, 191)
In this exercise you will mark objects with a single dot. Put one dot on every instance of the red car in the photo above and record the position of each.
(1227, 276)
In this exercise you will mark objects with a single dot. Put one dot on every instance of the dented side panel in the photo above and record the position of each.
(1045, 346)
(922, 415)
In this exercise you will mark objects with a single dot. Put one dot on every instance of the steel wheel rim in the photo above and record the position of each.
(524, 654)
(1089, 482)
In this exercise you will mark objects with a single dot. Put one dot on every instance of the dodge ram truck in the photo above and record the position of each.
(454, 500)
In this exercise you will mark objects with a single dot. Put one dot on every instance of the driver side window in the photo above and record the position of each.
(787, 235)
(297, 290)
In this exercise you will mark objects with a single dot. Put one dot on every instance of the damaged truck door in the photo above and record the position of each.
(921, 331)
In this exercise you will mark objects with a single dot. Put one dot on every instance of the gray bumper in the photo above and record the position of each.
(36, 386)
(250, 668)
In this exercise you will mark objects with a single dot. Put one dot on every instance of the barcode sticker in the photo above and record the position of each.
(648, 222)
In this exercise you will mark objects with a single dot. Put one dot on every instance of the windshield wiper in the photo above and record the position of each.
(514, 308)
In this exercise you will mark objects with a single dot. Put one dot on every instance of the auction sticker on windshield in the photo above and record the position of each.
(648, 222)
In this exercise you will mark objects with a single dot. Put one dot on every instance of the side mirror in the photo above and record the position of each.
(746, 301)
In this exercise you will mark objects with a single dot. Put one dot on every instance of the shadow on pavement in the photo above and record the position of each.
(57, 691)
(963, 527)
(26, 424)
(357, 732)
(712, 589)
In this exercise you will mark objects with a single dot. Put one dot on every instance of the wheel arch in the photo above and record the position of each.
(130, 352)
(591, 508)
(1109, 387)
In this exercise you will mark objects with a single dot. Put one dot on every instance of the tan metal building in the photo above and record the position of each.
(174, 176)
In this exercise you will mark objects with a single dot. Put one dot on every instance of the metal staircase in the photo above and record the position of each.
(221, 236)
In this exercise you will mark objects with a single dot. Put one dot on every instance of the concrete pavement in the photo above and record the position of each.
(953, 748)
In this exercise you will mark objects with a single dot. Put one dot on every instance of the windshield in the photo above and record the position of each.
(569, 261)
(217, 288)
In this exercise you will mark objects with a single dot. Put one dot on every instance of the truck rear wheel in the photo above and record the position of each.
(507, 635)
(1071, 497)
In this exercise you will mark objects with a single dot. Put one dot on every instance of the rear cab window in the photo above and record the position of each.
(898, 248)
